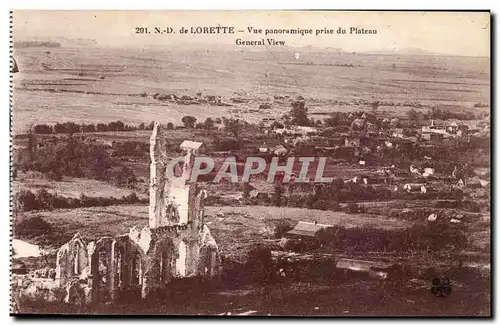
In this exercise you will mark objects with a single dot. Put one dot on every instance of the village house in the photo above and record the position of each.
(415, 188)
(475, 183)
(297, 131)
(452, 128)
(398, 133)
(307, 230)
(439, 131)
(352, 141)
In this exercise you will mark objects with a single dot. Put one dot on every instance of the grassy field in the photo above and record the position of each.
(72, 187)
(234, 228)
(96, 84)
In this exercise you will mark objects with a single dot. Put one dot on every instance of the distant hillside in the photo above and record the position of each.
(66, 41)
(55, 42)
(37, 44)
(403, 51)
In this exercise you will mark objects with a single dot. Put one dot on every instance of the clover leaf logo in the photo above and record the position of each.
(441, 286)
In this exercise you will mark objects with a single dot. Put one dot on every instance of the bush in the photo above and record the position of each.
(55, 175)
(43, 200)
(88, 201)
(277, 196)
(43, 129)
(28, 199)
(131, 199)
(281, 229)
(32, 227)
(258, 263)
(74, 158)
(188, 121)
(352, 208)
(431, 237)
(227, 144)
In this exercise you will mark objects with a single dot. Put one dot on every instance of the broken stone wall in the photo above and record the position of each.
(72, 260)
(175, 245)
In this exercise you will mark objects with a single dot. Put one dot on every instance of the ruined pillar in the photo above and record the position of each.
(61, 265)
(113, 270)
(198, 210)
(158, 164)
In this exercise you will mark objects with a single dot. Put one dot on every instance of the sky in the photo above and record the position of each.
(453, 33)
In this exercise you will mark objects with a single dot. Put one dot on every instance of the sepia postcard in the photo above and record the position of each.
(250, 163)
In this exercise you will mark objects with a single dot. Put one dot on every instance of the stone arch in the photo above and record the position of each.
(119, 259)
(72, 259)
(77, 268)
(75, 293)
(165, 255)
(182, 259)
(209, 260)
(101, 269)
(128, 266)
(136, 275)
(158, 269)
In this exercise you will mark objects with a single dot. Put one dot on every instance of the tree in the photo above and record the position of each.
(28, 199)
(142, 126)
(413, 115)
(259, 260)
(352, 208)
(31, 146)
(34, 226)
(299, 113)
(44, 199)
(170, 126)
(43, 129)
(246, 189)
(72, 127)
(100, 127)
(208, 124)
(188, 121)
(278, 194)
(116, 126)
(123, 177)
(59, 128)
(88, 128)
(234, 126)
(282, 228)
(277, 125)
(66, 127)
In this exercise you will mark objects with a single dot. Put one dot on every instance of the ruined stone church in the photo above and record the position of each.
(175, 244)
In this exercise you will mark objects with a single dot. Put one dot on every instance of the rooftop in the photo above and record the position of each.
(362, 265)
(188, 144)
(308, 229)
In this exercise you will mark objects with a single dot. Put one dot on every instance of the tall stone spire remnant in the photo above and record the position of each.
(158, 168)
(173, 199)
